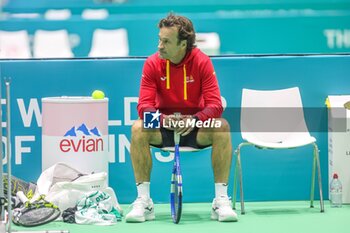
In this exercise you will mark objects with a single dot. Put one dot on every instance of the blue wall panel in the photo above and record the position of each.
(268, 175)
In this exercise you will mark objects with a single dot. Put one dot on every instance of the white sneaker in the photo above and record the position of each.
(142, 210)
(222, 210)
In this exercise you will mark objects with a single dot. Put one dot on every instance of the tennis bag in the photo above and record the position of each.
(17, 185)
(64, 186)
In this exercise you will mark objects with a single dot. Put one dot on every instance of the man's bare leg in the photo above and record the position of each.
(143, 208)
(140, 150)
(220, 139)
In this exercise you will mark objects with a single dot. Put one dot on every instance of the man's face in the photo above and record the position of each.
(169, 46)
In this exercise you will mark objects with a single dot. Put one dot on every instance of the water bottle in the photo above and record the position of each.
(336, 192)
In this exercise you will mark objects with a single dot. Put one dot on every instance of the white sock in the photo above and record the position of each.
(220, 190)
(143, 189)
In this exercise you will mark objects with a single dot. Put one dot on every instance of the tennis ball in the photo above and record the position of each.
(347, 105)
(97, 94)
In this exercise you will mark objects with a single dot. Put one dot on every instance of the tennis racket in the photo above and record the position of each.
(34, 213)
(176, 183)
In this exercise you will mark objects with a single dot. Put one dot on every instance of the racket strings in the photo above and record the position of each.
(176, 195)
(35, 213)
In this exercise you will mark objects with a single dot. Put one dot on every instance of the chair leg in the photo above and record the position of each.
(240, 182)
(234, 198)
(316, 151)
(238, 175)
(313, 176)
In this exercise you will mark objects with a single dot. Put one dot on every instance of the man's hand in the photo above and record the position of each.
(169, 122)
(181, 124)
(187, 127)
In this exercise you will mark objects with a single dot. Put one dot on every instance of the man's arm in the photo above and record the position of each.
(148, 91)
(211, 93)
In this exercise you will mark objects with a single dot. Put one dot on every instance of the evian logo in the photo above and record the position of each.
(81, 139)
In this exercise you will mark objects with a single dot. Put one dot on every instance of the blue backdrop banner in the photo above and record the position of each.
(268, 175)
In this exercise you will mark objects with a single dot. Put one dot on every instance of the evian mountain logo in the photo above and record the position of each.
(81, 139)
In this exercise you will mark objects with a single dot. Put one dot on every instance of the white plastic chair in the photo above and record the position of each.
(182, 149)
(274, 120)
(14, 44)
(109, 43)
(52, 44)
(209, 43)
(62, 14)
(24, 15)
(95, 14)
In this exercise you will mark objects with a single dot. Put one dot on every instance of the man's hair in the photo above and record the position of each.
(185, 28)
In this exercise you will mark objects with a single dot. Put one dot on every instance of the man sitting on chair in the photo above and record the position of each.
(180, 78)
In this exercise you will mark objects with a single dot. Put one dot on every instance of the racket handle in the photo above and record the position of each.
(176, 138)
(176, 135)
(22, 196)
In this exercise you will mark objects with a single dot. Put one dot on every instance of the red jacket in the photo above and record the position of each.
(163, 86)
